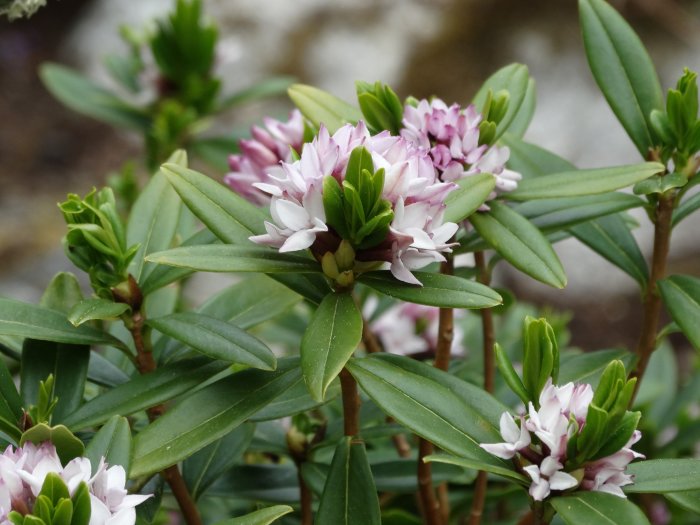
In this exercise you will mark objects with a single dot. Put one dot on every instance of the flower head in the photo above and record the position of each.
(548, 476)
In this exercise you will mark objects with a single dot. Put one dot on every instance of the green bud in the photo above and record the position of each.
(487, 132)
(662, 127)
(329, 265)
(380, 107)
(499, 106)
(541, 356)
(345, 256)
(346, 279)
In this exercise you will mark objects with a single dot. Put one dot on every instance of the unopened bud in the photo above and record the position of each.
(345, 256)
(329, 265)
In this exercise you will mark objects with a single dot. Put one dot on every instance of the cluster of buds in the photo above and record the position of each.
(36, 489)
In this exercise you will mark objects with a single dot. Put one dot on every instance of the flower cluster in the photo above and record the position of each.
(451, 136)
(261, 156)
(23, 471)
(409, 329)
(560, 418)
(19, 8)
(409, 186)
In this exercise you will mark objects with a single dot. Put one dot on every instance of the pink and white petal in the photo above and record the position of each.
(299, 240)
(562, 481)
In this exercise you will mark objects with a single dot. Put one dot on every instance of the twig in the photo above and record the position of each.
(305, 500)
(652, 300)
(430, 504)
(351, 403)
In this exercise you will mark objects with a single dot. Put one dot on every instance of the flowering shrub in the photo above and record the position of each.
(350, 221)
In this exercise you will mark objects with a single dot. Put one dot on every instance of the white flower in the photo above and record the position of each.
(608, 474)
(517, 438)
(110, 503)
(547, 477)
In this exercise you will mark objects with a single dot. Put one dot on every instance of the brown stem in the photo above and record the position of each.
(351, 403)
(305, 500)
(652, 300)
(429, 502)
(446, 325)
(146, 364)
(527, 519)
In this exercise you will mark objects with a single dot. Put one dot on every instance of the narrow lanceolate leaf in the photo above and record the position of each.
(520, 243)
(514, 78)
(112, 442)
(587, 367)
(446, 291)
(208, 415)
(664, 475)
(533, 161)
(522, 119)
(144, 391)
(27, 320)
(95, 309)
(321, 107)
(622, 68)
(475, 464)
(230, 258)
(153, 219)
(685, 208)
(428, 407)
(689, 500)
(583, 182)
(217, 339)
(471, 193)
(681, 295)
(611, 238)
(260, 517)
(598, 508)
(550, 215)
(349, 496)
(330, 339)
(229, 216)
(83, 96)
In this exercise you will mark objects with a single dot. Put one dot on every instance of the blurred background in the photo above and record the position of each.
(420, 47)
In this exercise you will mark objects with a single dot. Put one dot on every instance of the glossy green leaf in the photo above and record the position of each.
(321, 107)
(112, 442)
(216, 339)
(428, 407)
(583, 182)
(685, 208)
(295, 401)
(67, 445)
(349, 497)
(260, 482)
(204, 467)
(681, 295)
(533, 161)
(522, 119)
(611, 238)
(598, 508)
(551, 215)
(689, 500)
(329, 341)
(519, 242)
(259, 517)
(230, 258)
(446, 291)
(95, 308)
(103, 372)
(270, 87)
(623, 70)
(10, 399)
(510, 376)
(82, 95)
(144, 391)
(207, 415)
(215, 151)
(514, 78)
(154, 218)
(586, 367)
(664, 475)
(475, 464)
(27, 320)
(471, 193)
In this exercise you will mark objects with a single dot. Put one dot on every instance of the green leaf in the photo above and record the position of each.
(54, 488)
(446, 291)
(586, 367)
(204, 467)
(583, 182)
(8, 393)
(551, 215)
(471, 193)
(321, 107)
(623, 70)
(216, 150)
(349, 497)
(681, 295)
(329, 341)
(95, 309)
(67, 445)
(475, 464)
(598, 508)
(512, 379)
(523, 117)
(686, 500)
(154, 218)
(103, 372)
(520, 243)
(660, 184)
(659, 476)
(208, 415)
(429, 407)
(533, 161)
(685, 208)
(231, 258)
(81, 95)
(216, 339)
(81, 505)
(259, 517)
(112, 442)
(144, 391)
(514, 78)
(295, 401)
(611, 238)
(27, 320)
(270, 87)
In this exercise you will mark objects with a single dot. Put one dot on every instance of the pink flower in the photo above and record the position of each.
(260, 157)
(417, 235)
(608, 474)
(108, 498)
(516, 438)
(547, 477)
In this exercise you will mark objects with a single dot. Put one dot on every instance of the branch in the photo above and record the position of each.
(351, 403)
